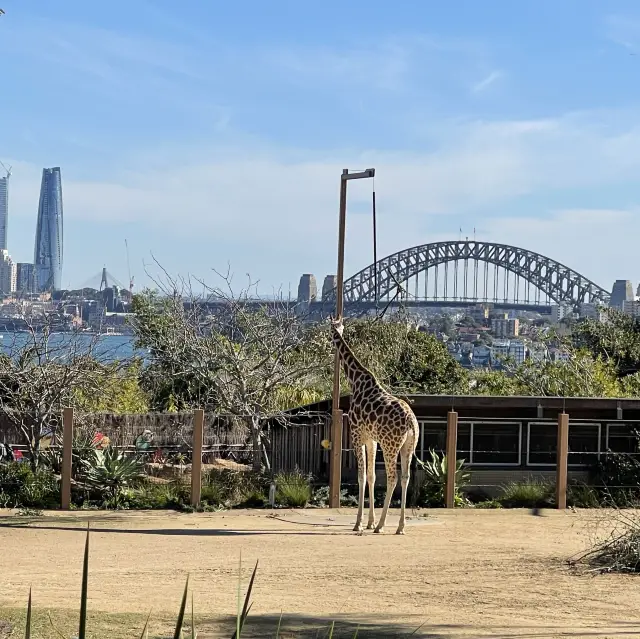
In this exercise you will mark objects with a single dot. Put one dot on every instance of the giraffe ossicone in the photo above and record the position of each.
(376, 417)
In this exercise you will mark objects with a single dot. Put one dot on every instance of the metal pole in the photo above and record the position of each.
(375, 253)
(335, 472)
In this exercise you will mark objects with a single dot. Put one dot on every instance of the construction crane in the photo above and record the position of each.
(126, 244)
(8, 170)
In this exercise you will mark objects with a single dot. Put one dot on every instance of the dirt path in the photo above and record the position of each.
(470, 573)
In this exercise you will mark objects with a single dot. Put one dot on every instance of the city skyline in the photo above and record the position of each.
(473, 117)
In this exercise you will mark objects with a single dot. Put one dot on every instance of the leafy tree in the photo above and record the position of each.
(617, 340)
(42, 376)
(175, 336)
(401, 357)
(489, 382)
(120, 391)
(243, 361)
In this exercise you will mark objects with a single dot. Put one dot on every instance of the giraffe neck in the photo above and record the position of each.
(355, 371)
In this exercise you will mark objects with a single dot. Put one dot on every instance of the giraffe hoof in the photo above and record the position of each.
(357, 528)
(371, 525)
(379, 530)
(400, 531)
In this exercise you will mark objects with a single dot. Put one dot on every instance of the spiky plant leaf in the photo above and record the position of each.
(27, 632)
(145, 630)
(82, 627)
(242, 615)
(183, 606)
(194, 634)
(54, 627)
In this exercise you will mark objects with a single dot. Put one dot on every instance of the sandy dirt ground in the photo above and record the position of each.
(466, 573)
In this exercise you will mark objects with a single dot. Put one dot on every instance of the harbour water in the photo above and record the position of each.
(106, 348)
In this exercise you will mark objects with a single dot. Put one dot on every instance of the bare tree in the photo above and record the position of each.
(231, 352)
(42, 372)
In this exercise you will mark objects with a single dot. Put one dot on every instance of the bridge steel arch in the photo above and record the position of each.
(559, 282)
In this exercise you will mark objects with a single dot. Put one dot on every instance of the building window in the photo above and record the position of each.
(434, 436)
(584, 444)
(478, 443)
(496, 444)
(621, 438)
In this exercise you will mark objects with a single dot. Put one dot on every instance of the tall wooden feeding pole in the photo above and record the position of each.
(336, 413)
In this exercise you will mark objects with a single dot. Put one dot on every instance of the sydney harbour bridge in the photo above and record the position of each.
(463, 273)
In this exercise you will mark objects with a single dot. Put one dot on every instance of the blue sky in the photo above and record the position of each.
(213, 133)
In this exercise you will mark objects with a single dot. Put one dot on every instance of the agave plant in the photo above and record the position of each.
(435, 479)
(111, 472)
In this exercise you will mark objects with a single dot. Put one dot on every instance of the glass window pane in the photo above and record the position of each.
(496, 443)
(621, 438)
(583, 444)
(543, 439)
(435, 436)
(463, 444)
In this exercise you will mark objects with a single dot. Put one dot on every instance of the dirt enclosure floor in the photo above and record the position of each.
(463, 573)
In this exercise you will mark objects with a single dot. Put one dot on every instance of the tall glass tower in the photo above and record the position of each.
(4, 210)
(48, 250)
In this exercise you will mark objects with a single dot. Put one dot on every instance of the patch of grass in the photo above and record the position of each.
(580, 495)
(488, 504)
(293, 489)
(530, 493)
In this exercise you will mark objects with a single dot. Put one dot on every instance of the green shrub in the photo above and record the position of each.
(617, 478)
(530, 493)
(432, 490)
(110, 473)
(235, 488)
(293, 489)
(320, 497)
(489, 503)
(580, 495)
(20, 487)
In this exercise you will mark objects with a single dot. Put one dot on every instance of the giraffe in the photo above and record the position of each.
(376, 417)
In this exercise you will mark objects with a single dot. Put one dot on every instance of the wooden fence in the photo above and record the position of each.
(308, 439)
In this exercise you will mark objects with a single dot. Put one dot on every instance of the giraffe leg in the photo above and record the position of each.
(360, 456)
(406, 454)
(371, 478)
(391, 466)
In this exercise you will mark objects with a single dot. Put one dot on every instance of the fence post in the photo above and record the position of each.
(67, 458)
(452, 441)
(562, 461)
(196, 458)
(335, 467)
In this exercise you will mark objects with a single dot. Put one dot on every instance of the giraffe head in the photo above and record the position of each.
(337, 325)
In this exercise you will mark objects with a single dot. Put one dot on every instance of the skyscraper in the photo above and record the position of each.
(4, 209)
(48, 249)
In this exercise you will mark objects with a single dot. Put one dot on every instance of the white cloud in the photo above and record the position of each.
(258, 198)
(624, 30)
(487, 81)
